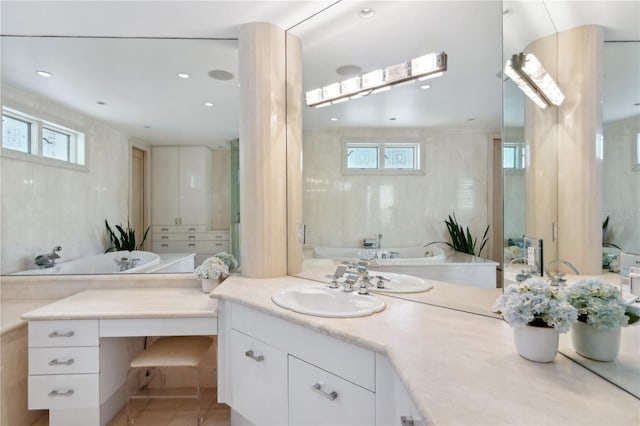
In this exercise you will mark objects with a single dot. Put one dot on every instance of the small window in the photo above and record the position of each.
(513, 156)
(16, 134)
(27, 137)
(636, 166)
(368, 156)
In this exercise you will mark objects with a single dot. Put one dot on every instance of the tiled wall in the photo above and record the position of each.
(621, 191)
(339, 210)
(44, 206)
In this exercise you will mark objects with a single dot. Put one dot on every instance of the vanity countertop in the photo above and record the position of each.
(460, 368)
(128, 303)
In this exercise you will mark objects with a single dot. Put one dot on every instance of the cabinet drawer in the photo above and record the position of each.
(190, 246)
(177, 228)
(64, 391)
(63, 333)
(190, 236)
(66, 360)
(259, 377)
(347, 360)
(317, 397)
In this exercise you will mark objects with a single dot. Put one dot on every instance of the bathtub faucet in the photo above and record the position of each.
(558, 278)
(48, 260)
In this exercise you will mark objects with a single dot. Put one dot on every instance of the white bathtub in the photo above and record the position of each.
(401, 256)
(99, 264)
(450, 266)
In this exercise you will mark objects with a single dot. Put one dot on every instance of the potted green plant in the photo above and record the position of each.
(126, 240)
(461, 239)
(537, 312)
(601, 314)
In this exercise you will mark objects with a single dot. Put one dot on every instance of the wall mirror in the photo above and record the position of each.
(121, 94)
(525, 22)
(453, 120)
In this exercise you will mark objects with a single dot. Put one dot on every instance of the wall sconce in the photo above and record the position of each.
(527, 72)
(422, 68)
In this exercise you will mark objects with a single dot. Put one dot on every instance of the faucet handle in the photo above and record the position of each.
(352, 278)
(381, 280)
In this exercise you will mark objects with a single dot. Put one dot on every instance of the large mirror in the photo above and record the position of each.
(81, 119)
(529, 22)
(382, 173)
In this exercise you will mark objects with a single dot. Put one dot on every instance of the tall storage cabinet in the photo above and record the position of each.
(181, 188)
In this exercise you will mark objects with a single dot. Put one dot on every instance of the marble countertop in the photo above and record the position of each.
(458, 367)
(128, 303)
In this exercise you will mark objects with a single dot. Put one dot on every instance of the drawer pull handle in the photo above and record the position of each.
(192, 236)
(192, 244)
(58, 334)
(164, 237)
(191, 229)
(58, 393)
(164, 245)
(251, 355)
(164, 229)
(58, 362)
(329, 395)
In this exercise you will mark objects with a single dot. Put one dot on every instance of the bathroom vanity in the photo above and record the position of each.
(78, 348)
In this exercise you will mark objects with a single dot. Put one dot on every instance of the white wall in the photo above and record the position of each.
(514, 190)
(44, 206)
(340, 211)
(621, 192)
(222, 189)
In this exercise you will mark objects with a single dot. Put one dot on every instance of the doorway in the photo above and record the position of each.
(137, 212)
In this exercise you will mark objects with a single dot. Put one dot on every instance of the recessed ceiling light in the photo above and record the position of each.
(425, 86)
(183, 75)
(147, 127)
(392, 119)
(348, 70)
(42, 73)
(367, 13)
(209, 104)
(636, 104)
(471, 119)
(220, 75)
(101, 102)
(507, 12)
(334, 119)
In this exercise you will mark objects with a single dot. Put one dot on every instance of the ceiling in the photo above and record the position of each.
(137, 78)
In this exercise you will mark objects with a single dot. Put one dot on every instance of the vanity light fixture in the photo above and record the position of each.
(43, 73)
(421, 68)
(526, 71)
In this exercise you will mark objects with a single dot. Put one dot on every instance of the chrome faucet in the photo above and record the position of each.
(558, 278)
(379, 244)
(48, 260)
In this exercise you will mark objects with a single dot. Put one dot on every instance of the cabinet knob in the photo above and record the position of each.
(251, 355)
(61, 334)
(58, 362)
(329, 395)
(56, 392)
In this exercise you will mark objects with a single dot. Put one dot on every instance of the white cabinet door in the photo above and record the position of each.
(393, 402)
(195, 186)
(259, 380)
(165, 193)
(317, 397)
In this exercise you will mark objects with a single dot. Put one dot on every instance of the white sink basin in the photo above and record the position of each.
(322, 301)
(400, 283)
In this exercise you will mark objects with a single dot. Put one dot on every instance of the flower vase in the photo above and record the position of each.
(539, 344)
(599, 345)
(209, 284)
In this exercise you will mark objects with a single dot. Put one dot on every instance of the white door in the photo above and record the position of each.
(195, 186)
(164, 186)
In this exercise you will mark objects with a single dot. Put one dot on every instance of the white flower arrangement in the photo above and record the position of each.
(212, 267)
(535, 303)
(599, 304)
(228, 260)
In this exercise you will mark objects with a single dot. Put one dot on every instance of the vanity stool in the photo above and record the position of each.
(167, 352)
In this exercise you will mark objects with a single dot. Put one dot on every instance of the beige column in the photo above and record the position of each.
(263, 190)
(580, 148)
(541, 168)
(295, 231)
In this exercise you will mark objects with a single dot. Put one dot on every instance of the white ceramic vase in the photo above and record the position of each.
(539, 344)
(599, 345)
(208, 284)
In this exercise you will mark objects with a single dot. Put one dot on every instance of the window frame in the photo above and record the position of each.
(520, 156)
(381, 144)
(76, 151)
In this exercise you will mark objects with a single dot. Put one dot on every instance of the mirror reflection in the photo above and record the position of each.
(83, 118)
(382, 173)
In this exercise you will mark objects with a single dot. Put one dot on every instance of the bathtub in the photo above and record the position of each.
(401, 256)
(438, 263)
(99, 264)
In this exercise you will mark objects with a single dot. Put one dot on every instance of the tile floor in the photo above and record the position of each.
(170, 412)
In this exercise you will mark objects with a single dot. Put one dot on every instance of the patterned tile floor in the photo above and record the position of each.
(170, 412)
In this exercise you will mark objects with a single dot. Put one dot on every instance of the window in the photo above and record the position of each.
(636, 166)
(27, 137)
(366, 156)
(513, 156)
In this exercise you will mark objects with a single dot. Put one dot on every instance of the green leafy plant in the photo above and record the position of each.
(126, 240)
(461, 239)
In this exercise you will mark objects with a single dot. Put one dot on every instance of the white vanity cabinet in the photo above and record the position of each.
(274, 372)
(181, 186)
